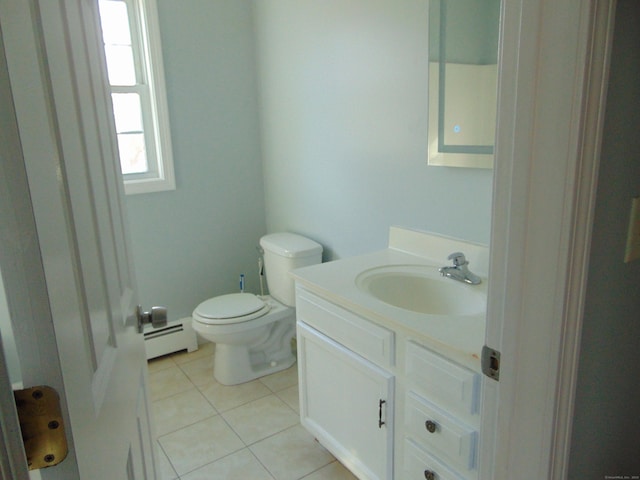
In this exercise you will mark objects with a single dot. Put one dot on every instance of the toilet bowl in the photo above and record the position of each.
(253, 333)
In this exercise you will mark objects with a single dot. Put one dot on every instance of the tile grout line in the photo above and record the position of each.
(167, 457)
(263, 465)
(189, 425)
(212, 461)
(235, 406)
(276, 392)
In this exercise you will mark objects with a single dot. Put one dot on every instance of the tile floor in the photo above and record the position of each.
(208, 431)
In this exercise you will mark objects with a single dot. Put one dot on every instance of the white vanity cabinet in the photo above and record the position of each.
(346, 393)
(384, 404)
(389, 358)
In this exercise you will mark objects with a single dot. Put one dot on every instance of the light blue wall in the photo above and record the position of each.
(192, 243)
(343, 89)
(323, 103)
(606, 431)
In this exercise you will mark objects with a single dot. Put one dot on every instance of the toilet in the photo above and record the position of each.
(253, 333)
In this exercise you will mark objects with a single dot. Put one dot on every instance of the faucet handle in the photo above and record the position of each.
(458, 259)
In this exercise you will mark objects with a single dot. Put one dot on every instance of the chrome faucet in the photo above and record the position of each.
(459, 271)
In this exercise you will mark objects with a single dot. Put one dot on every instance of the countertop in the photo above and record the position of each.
(459, 338)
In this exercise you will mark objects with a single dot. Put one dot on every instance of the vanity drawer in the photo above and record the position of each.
(419, 465)
(440, 432)
(444, 382)
(372, 341)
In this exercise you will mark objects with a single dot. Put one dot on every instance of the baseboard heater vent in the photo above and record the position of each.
(175, 336)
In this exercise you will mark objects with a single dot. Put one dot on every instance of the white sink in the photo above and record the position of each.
(421, 289)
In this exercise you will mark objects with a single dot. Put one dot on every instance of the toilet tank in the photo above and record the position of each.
(284, 252)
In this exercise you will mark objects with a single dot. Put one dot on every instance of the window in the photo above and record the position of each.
(134, 65)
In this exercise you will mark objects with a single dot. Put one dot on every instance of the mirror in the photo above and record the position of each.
(463, 73)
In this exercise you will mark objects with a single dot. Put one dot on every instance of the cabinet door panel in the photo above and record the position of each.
(343, 400)
(372, 341)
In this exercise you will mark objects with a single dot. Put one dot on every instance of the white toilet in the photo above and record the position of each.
(253, 333)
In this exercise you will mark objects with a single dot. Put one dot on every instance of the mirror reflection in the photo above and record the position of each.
(463, 71)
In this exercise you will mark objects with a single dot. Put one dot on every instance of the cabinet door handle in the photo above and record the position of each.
(380, 404)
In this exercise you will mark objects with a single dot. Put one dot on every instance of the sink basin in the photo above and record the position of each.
(421, 289)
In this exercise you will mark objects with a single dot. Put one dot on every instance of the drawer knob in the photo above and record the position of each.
(431, 426)
(429, 475)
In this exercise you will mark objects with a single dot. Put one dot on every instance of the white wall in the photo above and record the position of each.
(606, 430)
(343, 88)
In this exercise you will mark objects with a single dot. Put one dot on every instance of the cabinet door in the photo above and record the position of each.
(347, 403)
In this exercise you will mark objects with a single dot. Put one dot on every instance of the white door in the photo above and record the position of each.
(65, 253)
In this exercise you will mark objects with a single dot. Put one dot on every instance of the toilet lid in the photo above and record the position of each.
(226, 308)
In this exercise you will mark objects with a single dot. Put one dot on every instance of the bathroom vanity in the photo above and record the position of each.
(388, 354)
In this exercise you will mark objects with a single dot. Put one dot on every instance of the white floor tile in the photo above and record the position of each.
(333, 471)
(160, 363)
(181, 410)
(204, 350)
(167, 382)
(241, 465)
(261, 418)
(199, 371)
(291, 454)
(164, 470)
(225, 397)
(291, 397)
(199, 444)
(281, 380)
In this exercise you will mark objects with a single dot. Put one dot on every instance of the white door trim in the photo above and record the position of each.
(596, 82)
(551, 98)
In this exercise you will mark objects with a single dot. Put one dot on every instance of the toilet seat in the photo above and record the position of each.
(230, 308)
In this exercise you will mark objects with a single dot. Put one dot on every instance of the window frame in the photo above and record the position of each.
(150, 86)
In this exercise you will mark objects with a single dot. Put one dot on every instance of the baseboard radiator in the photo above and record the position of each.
(175, 336)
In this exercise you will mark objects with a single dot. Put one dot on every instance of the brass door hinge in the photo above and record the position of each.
(45, 442)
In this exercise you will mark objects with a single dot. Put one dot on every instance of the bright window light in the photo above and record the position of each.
(134, 67)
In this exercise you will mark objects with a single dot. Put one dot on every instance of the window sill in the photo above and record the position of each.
(148, 185)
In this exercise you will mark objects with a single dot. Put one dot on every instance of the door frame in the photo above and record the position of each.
(602, 24)
(550, 117)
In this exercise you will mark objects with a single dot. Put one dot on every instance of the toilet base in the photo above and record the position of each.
(233, 365)
(270, 351)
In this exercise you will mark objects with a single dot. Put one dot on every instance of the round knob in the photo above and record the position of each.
(431, 426)
(429, 475)
(158, 317)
